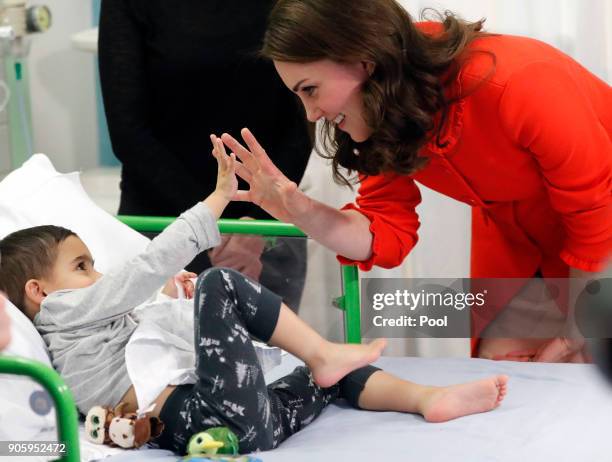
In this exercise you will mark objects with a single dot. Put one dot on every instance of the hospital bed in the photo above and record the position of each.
(558, 412)
(552, 411)
(66, 414)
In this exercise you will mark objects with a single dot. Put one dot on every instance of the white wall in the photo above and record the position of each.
(62, 88)
(583, 29)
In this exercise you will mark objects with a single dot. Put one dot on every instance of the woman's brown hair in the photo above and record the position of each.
(406, 93)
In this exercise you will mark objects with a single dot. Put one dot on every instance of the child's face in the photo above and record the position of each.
(73, 269)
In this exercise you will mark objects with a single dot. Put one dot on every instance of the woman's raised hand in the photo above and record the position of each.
(269, 187)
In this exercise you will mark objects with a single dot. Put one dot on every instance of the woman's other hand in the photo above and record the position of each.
(555, 350)
(239, 252)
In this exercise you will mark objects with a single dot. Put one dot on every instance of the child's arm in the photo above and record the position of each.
(124, 288)
(227, 185)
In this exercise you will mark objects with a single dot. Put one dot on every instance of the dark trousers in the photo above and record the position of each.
(231, 390)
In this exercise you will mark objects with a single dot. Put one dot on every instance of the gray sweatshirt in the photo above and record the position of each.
(86, 330)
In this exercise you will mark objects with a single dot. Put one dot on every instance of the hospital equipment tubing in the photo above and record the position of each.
(66, 412)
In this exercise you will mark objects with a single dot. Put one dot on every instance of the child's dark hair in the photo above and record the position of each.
(28, 254)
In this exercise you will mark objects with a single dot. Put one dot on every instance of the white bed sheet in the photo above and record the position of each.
(560, 412)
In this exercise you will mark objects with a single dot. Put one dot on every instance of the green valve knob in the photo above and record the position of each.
(18, 71)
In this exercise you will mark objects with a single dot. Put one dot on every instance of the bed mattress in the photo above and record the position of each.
(560, 412)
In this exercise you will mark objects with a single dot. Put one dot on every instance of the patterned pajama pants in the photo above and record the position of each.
(231, 390)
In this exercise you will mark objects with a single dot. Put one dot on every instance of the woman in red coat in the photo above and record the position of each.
(507, 124)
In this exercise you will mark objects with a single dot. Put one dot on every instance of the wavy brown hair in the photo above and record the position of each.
(405, 95)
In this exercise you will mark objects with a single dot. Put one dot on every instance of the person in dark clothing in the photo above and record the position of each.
(171, 74)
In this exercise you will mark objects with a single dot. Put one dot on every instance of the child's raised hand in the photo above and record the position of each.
(227, 183)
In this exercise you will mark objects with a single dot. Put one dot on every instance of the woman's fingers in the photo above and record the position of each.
(242, 196)
(256, 149)
(241, 152)
(243, 173)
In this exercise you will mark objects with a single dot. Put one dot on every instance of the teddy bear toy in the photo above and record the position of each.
(113, 427)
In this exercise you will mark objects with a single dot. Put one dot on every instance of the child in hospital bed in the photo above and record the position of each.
(87, 319)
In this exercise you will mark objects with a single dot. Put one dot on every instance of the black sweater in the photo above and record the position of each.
(175, 71)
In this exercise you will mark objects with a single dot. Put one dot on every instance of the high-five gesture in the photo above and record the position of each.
(269, 188)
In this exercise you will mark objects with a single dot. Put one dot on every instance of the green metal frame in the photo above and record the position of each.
(348, 301)
(66, 411)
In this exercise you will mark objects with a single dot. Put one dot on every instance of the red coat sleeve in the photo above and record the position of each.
(548, 108)
(389, 202)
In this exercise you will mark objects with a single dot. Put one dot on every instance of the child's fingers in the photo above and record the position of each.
(221, 147)
(213, 140)
(185, 276)
(189, 288)
(219, 153)
(223, 157)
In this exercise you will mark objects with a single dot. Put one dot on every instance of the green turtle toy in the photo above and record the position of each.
(215, 444)
(215, 440)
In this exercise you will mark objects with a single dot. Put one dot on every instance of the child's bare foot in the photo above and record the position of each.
(446, 403)
(336, 360)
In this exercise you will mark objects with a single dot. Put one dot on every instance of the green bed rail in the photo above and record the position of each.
(65, 410)
(348, 301)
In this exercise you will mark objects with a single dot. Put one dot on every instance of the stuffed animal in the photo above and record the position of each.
(97, 423)
(215, 440)
(217, 444)
(104, 425)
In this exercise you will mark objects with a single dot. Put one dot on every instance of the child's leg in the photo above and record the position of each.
(329, 362)
(298, 400)
(231, 390)
(385, 392)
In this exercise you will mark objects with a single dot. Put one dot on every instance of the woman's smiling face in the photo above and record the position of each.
(331, 90)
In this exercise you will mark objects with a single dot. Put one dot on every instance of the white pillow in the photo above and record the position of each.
(36, 194)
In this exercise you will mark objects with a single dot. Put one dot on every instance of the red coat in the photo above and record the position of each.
(530, 150)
